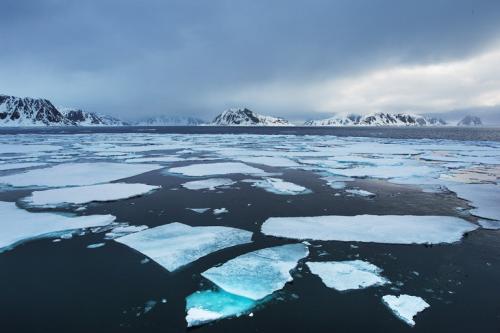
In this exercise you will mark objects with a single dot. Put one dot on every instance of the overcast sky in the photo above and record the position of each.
(296, 59)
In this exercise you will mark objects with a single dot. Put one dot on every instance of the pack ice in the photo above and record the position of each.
(175, 244)
(84, 194)
(346, 275)
(392, 229)
(77, 174)
(405, 307)
(19, 225)
(211, 169)
(243, 281)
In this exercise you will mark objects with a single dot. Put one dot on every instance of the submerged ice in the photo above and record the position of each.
(175, 245)
(393, 229)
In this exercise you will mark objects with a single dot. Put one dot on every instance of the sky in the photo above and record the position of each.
(291, 58)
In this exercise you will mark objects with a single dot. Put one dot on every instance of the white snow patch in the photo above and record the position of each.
(391, 229)
(175, 245)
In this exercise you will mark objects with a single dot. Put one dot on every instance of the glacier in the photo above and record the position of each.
(175, 244)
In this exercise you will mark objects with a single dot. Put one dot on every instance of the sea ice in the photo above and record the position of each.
(18, 225)
(361, 193)
(199, 210)
(210, 169)
(257, 274)
(208, 184)
(272, 161)
(84, 194)
(485, 197)
(209, 305)
(346, 275)
(278, 186)
(175, 245)
(26, 148)
(222, 210)
(158, 159)
(392, 229)
(13, 166)
(77, 174)
(405, 307)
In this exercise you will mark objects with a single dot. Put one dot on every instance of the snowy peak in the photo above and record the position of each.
(246, 117)
(84, 118)
(17, 111)
(171, 121)
(378, 119)
(470, 121)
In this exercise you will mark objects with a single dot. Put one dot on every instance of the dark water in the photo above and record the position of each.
(450, 133)
(66, 287)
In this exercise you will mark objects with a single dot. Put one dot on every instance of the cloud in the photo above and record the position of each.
(438, 87)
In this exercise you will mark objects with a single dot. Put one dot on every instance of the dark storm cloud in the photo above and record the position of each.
(136, 58)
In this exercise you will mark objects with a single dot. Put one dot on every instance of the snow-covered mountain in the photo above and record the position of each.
(84, 118)
(470, 121)
(378, 119)
(246, 117)
(17, 111)
(27, 111)
(170, 121)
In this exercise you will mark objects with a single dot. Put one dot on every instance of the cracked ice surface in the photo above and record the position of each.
(346, 275)
(85, 194)
(258, 274)
(391, 229)
(175, 245)
(77, 174)
(19, 225)
(405, 307)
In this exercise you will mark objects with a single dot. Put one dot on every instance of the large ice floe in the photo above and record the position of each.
(77, 174)
(278, 186)
(485, 197)
(346, 275)
(19, 225)
(208, 184)
(85, 194)
(175, 244)
(405, 307)
(211, 169)
(14, 166)
(244, 281)
(392, 229)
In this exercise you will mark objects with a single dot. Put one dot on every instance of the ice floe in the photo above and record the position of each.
(346, 275)
(218, 211)
(278, 186)
(19, 225)
(14, 166)
(208, 184)
(272, 161)
(158, 159)
(77, 174)
(175, 245)
(361, 193)
(485, 197)
(199, 210)
(405, 307)
(392, 229)
(257, 274)
(210, 169)
(84, 194)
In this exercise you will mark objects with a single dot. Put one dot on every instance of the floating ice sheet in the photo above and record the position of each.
(210, 169)
(485, 197)
(392, 229)
(209, 305)
(258, 274)
(208, 184)
(278, 186)
(346, 275)
(405, 307)
(18, 225)
(77, 174)
(84, 194)
(175, 245)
